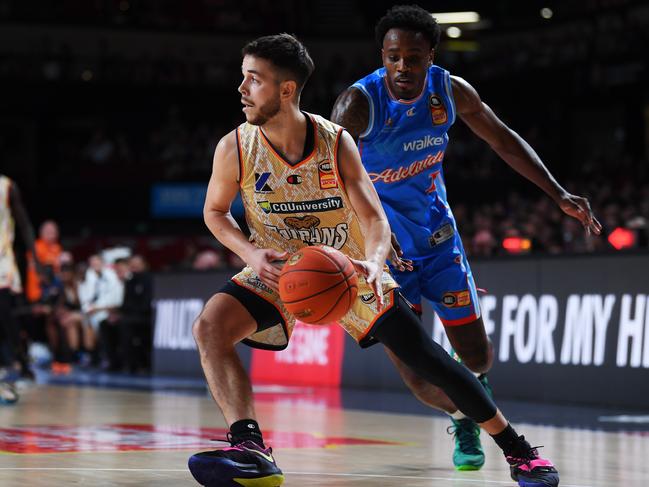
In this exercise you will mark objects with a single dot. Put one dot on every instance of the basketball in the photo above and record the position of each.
(318, 285)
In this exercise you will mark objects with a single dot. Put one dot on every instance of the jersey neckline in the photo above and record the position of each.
(400, 100)
(304, 159)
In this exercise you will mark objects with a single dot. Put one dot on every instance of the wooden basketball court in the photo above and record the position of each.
(95, 436)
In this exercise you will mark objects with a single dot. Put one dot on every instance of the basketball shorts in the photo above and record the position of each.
(445, 279)
(275, 324)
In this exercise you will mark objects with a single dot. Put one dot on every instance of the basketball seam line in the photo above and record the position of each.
(344, 279)
(347, 289)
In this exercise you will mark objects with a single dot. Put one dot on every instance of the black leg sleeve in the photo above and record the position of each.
(402, 332)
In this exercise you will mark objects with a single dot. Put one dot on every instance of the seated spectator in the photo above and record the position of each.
(126, 333)
(69, 316)
(48, 251)
(100, 292)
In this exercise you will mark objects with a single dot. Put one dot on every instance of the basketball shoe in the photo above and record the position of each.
(468, 453)
(529, 469)
(8, 394)
(242, 464)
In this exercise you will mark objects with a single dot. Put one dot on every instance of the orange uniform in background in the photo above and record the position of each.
(48, 254)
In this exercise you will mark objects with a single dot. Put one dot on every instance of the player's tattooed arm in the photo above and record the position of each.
(517, 153)
(352, 111)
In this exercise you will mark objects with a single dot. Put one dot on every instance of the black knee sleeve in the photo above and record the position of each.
(402, 333)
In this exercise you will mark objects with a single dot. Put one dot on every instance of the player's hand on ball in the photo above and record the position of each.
(261, 261)
(579, 208)
(372, 272)
(396, 256)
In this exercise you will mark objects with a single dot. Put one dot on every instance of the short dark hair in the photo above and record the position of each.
(408, 17)
(286, 53)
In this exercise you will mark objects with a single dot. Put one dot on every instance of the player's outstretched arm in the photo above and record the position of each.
(516, 152)
(368, 209)
(352, 111)
(221, 191)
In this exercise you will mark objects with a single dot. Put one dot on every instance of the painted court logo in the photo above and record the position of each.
(144, 437)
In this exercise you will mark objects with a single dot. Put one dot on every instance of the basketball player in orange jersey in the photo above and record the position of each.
(302, 182)
(400, 115)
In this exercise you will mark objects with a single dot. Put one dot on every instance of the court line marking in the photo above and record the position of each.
(363, 475)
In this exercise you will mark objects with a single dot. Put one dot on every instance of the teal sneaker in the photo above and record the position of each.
(468, 453)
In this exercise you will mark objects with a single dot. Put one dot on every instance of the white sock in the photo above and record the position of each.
(457, 415)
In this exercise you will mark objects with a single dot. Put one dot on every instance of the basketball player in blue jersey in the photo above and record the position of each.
(400, 115)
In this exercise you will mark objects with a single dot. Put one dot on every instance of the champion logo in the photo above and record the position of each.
(251, 426)
(411, 112)
(294, 179)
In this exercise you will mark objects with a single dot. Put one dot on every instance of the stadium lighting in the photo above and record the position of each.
(457, 17)
(454, 32)
(547, 13)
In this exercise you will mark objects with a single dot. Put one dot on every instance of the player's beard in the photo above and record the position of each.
(266, 112)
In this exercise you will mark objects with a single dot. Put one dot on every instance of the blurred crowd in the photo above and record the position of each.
(95, 312)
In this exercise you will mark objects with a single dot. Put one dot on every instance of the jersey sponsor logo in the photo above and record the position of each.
(313, 206)
(306, 229)
(325, 166)
(404, 172)
(437, 110)
(423, 143)
(294, 179)
(456, 299)
(261, 183)
(255, 282)
(327, 177)
(328, 181)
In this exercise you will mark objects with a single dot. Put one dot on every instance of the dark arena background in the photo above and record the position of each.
(110, 112)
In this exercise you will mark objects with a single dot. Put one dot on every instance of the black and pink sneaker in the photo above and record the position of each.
(529, 469)
(242, 464)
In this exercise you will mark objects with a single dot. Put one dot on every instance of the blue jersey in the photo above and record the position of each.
(402, 150)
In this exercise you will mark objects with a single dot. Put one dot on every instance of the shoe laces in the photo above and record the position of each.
(524, 452)
(229, 439)
(466, 433)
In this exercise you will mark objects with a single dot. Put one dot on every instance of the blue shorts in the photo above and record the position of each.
(445, 279)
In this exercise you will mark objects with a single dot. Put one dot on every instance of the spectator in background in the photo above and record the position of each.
(48, 252)
(207, 260)
(126, 333)
(69, 320)
(100, 292)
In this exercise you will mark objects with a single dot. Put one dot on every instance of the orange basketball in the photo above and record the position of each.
(318, 285)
